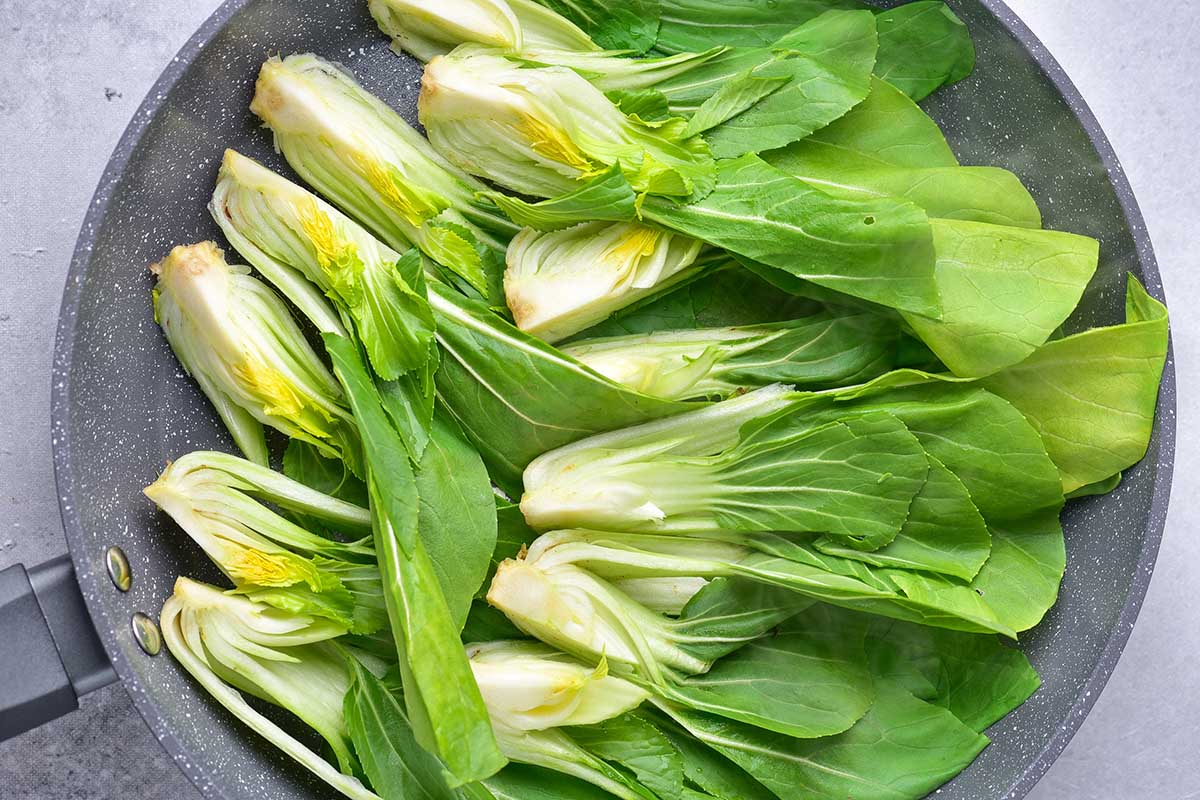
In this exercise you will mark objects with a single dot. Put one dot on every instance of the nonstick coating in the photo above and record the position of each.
(122, 407)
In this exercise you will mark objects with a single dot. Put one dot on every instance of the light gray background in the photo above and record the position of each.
(74, 72)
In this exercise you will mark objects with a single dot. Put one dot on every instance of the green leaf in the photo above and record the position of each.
(728, 612)
(979, 194)
(647, 105)
(1020, 579)
(385, 454)
(553, 749)
(809, 681)
(706, 768)
(525, 782)
(944, 532)
(453, 246)
(640, 747)
(631, 25)
(1002, 462)
(517, 397)
(408, 402)
(976, 678)
(827, 67)
(1091, 396)
(922, 47)
(1004, 292)
(902, 749)
(732, 99)
(879, 250)
(396, 765)
(977, 435)
(457, 518)
(304, 463)
(444, 703)
(694, 25)
(875, 463)
(606, 197)
(1099, 487)
(927, 599)
(890, 128)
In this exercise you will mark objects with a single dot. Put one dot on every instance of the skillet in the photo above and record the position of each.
(122, 406)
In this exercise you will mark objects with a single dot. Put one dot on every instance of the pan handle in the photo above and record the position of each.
(50, 655)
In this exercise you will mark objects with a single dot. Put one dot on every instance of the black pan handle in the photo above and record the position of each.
(50, 655)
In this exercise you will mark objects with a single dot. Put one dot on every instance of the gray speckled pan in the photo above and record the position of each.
(122, 407)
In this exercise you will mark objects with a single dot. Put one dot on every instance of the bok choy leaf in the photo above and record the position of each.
(443, 701)
(747, 101)
(922, 45)
(879, 250)
(1091, 396)
(515, 396)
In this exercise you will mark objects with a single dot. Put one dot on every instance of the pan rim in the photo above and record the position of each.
(89, 565)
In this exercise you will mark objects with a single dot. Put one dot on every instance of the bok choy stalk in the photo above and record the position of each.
(426, 29)
(703, 659)
(220, 500)
(561, 282)
(542, 130)
(532, 692)
(525, 31)
(573, 610)
(280, 227)
(820, 351)
(745, 99)
(238, 340)
(737, 465)
(360, 154)
(227, 642)
(528, 686)
(568, 585)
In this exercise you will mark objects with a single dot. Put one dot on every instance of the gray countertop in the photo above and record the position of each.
(72, 75)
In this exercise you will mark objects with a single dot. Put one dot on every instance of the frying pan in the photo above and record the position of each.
(122, 406)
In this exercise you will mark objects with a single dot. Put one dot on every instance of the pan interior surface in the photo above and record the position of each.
(123, 407)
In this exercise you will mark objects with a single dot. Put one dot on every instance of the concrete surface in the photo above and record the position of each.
(73, 74)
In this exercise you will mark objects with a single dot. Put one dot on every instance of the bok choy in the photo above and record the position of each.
(542, 130)
(220, 501)
(280, 227)
(238, 340)
(561, 282)
(230, 643)
(360, 154)
(714, 448)
(824, 350)
(737, 465)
